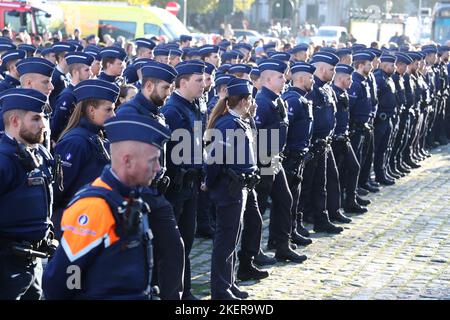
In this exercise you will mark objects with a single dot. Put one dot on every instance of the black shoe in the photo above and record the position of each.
(412, 164)
(395, 175)
(272, 245)
(362, 192)
(386, 182)
(327, 227)
(367, 186)
(189, 296)
(374, 183)
(362, 202)
(338, 216)
(228, 295)
(405, 166)
(286, 254)
(299, 239)
(247, 271)
(263, 259)
(237, 292)
(404, 170)
(301, 230)
(207, 233)
(354, 207)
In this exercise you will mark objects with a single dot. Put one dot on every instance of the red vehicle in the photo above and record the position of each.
(24, 15)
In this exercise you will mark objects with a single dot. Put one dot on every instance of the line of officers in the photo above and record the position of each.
(107, 199)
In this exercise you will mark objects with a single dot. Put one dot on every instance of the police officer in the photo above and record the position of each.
(35, 73)
(229, 182)
(144, 49)
(205, 209)
(396, 161)
(412, 100)
(245, 49)
(360, 102)
(112, 63)
(181, 112)
(387, 107)
(365, 181)
(94, 51)
(175, 54)
(346, 161)
(255, 77)
(106, 240)
(49, 54)
(185, 41)
(220, 89)
(299, 110)
(425, 104)
(161, 54)
(271, 118)
(9, 60)
(28, 48)
(26, 172)
(345, 56)
(79, 65)
(59, 79)
(157, 79)
(210, 54)
(430, 52)
(82, 145)
(313, 196)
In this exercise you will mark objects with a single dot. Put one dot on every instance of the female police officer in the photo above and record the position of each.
(229, 178)
(82, 147)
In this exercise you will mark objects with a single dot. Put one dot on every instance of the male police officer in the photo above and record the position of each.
(79, 65)
(26, 172)
(144, 49)
(59, 79)
(346, 160)
(271, 118)
(298, 141)
(107, 242)
(182, 112)
(313, 197)
(168, 247)
(112, 63)
(387, 106)
(9, 60)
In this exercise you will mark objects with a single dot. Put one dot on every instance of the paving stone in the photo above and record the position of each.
(400, 249)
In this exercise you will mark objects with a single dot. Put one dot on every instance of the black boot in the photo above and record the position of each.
(237, 292)
(352, 206)
(272, 245)
(362, 202)
(385, 181)
(285, 253)
(412, 164)
(322, 224)
(299, 239)
(300, 227)
(362, 192)
(338, 216)
(247, 271)
(370, 188)
(263, 259)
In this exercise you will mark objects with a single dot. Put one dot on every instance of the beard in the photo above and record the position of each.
(157, 99)
(31, 138)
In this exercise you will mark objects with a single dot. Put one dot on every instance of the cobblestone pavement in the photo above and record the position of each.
(400, 249)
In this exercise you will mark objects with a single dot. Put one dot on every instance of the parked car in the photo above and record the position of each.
(251, 35)
(328, 34)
